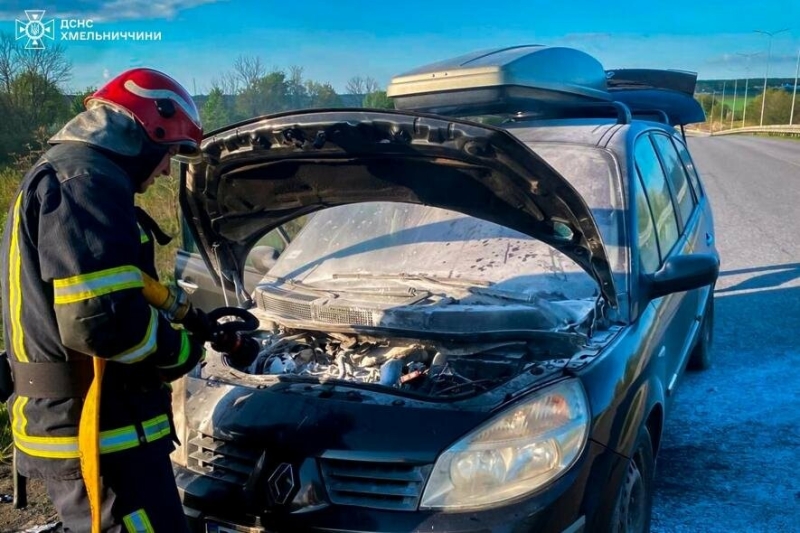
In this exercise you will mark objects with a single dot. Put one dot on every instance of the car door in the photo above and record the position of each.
(193, 277)
(694, 229)
(703, 228)
(675, 313)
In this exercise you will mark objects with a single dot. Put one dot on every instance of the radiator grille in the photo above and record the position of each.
(220, 459)
(379, 485)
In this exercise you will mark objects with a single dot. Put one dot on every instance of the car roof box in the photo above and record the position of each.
(519, 79)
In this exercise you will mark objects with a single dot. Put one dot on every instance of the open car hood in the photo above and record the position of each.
(259, 174)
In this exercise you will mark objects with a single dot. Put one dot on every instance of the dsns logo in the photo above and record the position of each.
(35, 29)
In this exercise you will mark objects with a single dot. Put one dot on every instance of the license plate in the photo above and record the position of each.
(217, 526)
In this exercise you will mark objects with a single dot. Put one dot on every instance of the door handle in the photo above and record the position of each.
(709, 239)
(188, 285)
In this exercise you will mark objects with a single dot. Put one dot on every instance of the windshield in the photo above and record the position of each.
(382, 238)
(593, 173)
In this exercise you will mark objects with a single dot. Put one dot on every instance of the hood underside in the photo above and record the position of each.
(258, 175)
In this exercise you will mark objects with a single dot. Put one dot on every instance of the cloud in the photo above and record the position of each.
(99, 10)
(106, 74)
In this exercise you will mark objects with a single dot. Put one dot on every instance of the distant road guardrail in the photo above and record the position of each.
(781, 130)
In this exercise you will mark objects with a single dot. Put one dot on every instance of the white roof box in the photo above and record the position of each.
(519, 79)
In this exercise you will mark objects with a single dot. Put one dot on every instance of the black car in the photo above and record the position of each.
(473, 310)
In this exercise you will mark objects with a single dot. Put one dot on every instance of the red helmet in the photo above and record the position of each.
(160, 104)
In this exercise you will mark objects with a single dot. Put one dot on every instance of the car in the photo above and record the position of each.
(473, 310)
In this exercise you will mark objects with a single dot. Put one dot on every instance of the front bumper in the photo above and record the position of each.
(571, 504)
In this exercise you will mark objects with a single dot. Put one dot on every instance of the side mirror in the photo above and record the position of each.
(264, 258)
(683, 273)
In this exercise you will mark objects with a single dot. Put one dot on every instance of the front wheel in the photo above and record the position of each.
(634, 500)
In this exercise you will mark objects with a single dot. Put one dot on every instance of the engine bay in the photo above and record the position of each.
(430, 368)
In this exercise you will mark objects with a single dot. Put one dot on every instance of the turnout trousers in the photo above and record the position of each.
(138, 495)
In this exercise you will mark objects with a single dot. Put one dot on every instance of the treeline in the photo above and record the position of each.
(755, 84)
(777, 109)
(34, 103)
(250, 90)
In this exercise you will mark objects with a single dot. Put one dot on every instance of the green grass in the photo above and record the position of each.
(740, 102)
(162, 204)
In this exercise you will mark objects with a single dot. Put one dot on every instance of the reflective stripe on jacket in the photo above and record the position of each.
(73, 256)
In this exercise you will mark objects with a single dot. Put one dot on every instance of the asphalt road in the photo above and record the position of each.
(730, 458)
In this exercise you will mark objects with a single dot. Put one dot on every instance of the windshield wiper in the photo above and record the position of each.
(468, 286)
(449, 282)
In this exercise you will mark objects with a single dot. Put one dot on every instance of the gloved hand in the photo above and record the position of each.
(176, 305)
(181, 361)
(199, 324)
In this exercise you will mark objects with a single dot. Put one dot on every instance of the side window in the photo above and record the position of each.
(658, 195)
(648, 245)
(187, 241)
(676, 174)
(279, 238)
(690, 169)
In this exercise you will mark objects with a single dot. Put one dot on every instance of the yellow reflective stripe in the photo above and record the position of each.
(143, 238)
(15, 288)
(156, 428)
(86, 286)
(18, 413)
(183, 355)
(137, 522)
(48, 447)
(113, 440)
(144, 348)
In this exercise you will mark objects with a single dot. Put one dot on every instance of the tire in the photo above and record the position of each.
(701, 356)
(634, 501)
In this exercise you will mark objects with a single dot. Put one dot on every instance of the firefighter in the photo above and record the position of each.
(75, 253)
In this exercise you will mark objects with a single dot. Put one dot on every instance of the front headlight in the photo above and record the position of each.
(513, 454)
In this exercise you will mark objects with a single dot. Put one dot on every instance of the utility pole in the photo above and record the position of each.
(794, 93)
(711, 110)
(771, 34)
(722, 105)
(733, 110)
(746, 81)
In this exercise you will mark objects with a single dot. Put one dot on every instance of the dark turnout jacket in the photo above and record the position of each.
(72, 261)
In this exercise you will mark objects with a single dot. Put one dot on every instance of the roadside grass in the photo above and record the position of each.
(740, 102)
(161, 201)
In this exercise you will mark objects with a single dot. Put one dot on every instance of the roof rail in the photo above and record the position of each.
(581, 110)
(645, 112)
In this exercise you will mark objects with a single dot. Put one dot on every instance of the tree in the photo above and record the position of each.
(378, 100)
(77, 101)
(264, 95)
(32, 103)
(370, 85)
(214, 112)
(9, 61)
(322, 95)
(248, 70)
(296, 91)
(39, 101)
(776, 110)
(359, 85)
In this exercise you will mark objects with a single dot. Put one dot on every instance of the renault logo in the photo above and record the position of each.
(281, 483)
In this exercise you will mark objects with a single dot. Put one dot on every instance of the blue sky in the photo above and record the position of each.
(335, 40)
